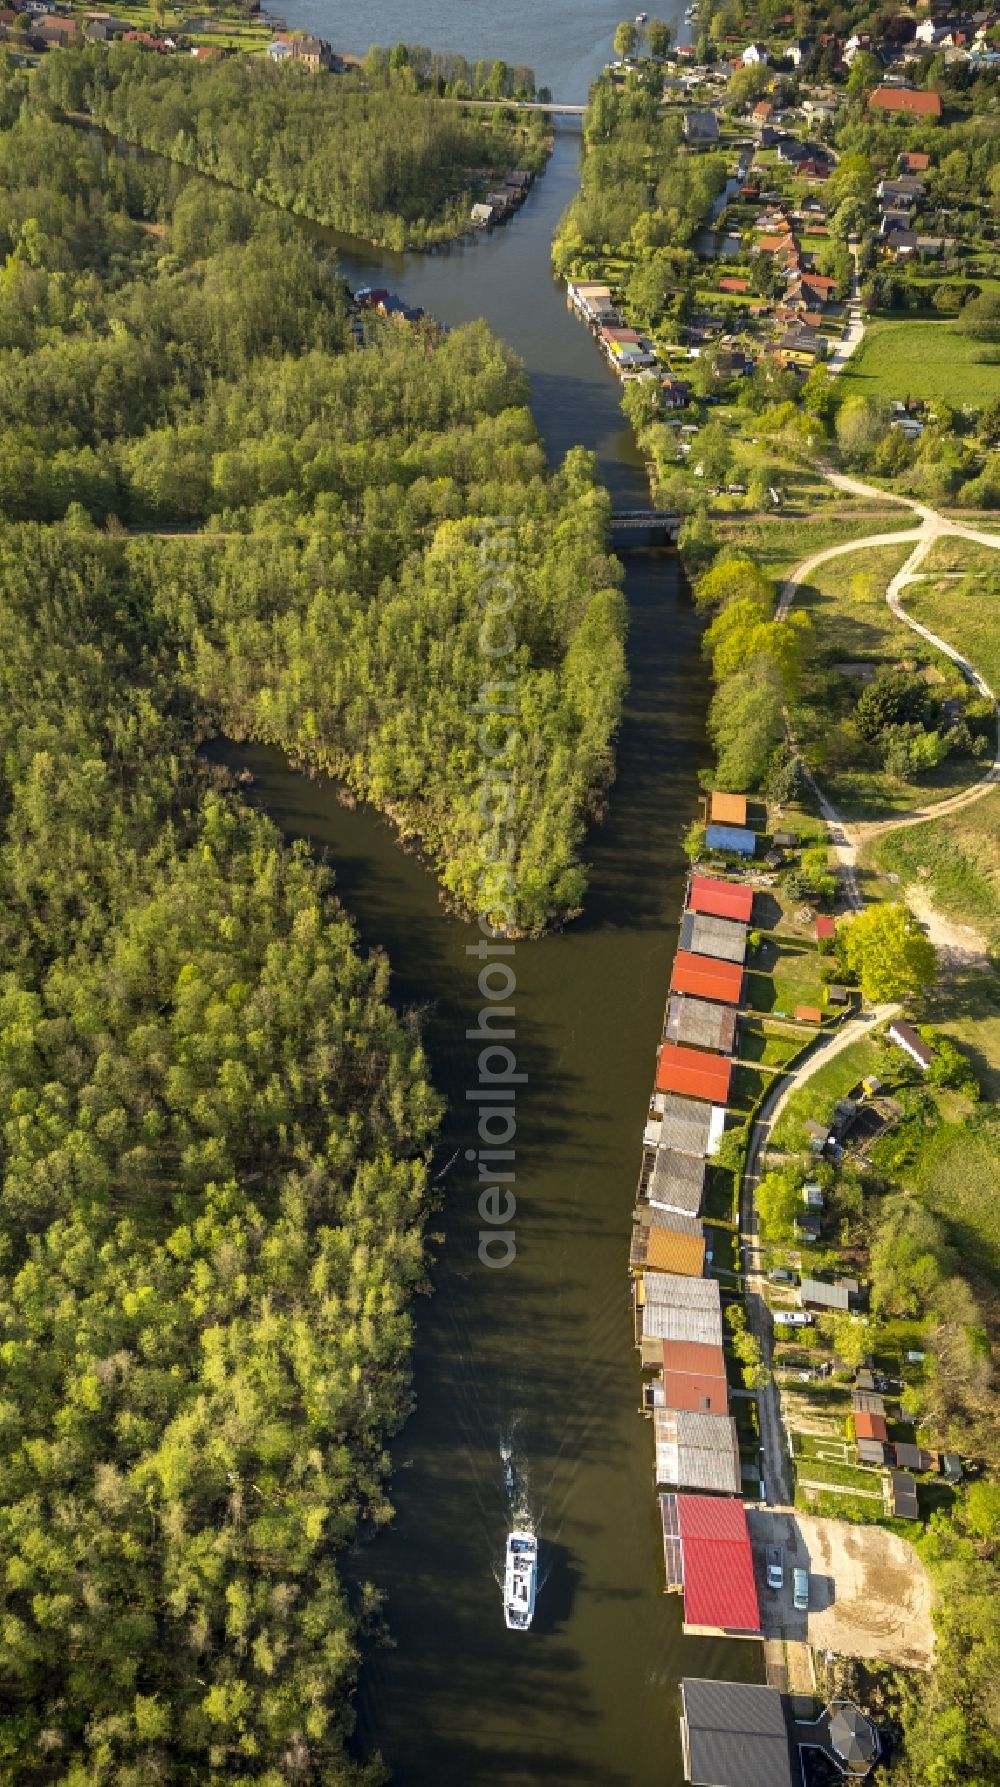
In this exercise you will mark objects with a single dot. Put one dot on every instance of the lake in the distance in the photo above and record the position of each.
(566, 42)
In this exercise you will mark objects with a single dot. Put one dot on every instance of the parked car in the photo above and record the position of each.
(780, 1276)
(793, 1318)
(775, 1567)
(800, 1590)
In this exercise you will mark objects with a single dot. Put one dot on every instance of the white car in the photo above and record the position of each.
(793, 1318)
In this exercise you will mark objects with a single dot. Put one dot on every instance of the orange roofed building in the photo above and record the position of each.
(919, 104)
(694, 1073)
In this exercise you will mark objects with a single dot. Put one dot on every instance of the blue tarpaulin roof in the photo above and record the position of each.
(731, 837)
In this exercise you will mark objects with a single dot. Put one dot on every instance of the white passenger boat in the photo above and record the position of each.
(520, 1579)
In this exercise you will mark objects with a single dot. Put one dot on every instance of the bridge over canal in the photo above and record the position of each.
(633, 528)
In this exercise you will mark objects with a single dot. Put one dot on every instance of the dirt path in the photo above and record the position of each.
(848, 840)
(959, 946)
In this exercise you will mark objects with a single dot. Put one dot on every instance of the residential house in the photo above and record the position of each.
(796, 53)
(914, 161)
(52, 31)
(801, 347)
(280, 50)
(674, 393)
(755, 55)
(907, 101)
(701, 129)
(911, 1042)
(903, 244)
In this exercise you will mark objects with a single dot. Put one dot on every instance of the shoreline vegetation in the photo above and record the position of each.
(378, 152)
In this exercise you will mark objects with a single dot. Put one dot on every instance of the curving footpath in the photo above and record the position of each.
(847, 840)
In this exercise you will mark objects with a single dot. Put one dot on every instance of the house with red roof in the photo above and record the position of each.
(694, 1073)
(910, 101)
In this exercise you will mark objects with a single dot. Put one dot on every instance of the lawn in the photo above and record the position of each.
(778, 547)
(857, 635)
(817, 1099)
(955, 858)
(964, 610)
(782, 976)
(957, 1175)
(918, 359)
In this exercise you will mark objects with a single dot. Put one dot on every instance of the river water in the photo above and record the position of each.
(535, 1361)
(564, 41)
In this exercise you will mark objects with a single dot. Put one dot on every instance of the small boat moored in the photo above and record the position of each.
(520, 1579)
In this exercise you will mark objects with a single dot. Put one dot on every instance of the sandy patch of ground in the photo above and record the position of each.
(962, 945)
(869, 1594)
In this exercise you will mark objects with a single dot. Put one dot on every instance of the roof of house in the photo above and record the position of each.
(912, 1458)
(871, 1452)
(662, 1321)
(700, 1022)
(902, 1495)
(870, 1427)
(728, 809)
(694, 1073)
(707, 977)
(684, 1124)
(695, 1450)
(867, 1401)
(655, 1248)
(808, 1014)
(731, 837)
(720, 1593)
(719, 937)
(825, 927)
(910, 1039)
(681, 1293)
(677, 1181)
(720, 899)
(829, 1296)
(734, 285)
(914, 161)
(694, 1377)
(735, 1735)
(905, 99)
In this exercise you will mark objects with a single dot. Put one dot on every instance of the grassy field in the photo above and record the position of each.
(778, 546)
(918, 359)
(964, 610)
(956, 858)
(957, 1175)
(820, 1095)
(782, 976)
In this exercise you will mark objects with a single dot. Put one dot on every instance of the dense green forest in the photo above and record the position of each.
(210, 1224)
(216, 508)
(173, 355)
(379, 158)
(637, 190)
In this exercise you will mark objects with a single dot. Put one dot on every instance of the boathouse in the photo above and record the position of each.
(707, 977)
(719, 937)
(707, 1554)
(727, 809)
(700, 1022)
(735, 1734)
(663, 1241)
(693, 1073)
(684, 1125)
(732, 838)
(696, 1451)
(720, 899)
(694, 1377)
(672, 1181)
